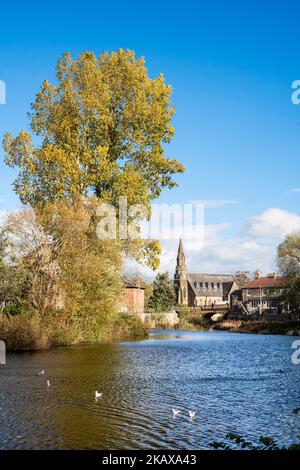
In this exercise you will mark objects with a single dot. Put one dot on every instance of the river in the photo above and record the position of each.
(238, 383)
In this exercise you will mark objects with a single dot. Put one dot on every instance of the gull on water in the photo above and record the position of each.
(98, 395)
(175, 412)
(192, 414)
(41, 373)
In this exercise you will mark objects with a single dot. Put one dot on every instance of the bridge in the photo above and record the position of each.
(202, 311)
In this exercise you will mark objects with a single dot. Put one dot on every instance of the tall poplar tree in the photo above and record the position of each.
(101, 129)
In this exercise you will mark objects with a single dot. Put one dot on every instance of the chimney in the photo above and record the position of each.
(273, 275)
(257, 274)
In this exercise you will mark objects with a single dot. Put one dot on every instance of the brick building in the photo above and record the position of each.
(134, 298)
(265, 293)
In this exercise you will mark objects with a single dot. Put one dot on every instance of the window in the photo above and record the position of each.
(206, 285)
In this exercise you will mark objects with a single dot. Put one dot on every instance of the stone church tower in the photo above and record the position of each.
(180, 278)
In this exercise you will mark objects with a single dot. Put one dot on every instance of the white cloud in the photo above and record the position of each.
(214, 202)
(229, 256)
(295, 190)
(273, 223)
(254, 247)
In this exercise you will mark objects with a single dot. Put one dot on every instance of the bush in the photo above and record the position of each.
(193, 322)
(30, 331)
(128, 326)
(24, 332)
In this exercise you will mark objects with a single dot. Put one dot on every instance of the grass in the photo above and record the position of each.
(190, 322)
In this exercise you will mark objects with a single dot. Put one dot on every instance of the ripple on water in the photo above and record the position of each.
(231, 381)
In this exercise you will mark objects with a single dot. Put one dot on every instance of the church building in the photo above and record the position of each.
(201, 290)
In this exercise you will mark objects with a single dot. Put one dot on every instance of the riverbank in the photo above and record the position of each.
(36, 333)
(291, 328)
(33, 333)
(196, 323)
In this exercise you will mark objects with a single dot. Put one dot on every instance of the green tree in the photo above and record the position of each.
(3, 245)
(14, 278)
(89, 268)
(163, 297)
(102, 130)
(148, 291)
(73, 278)
(288, 255)
(288, 260)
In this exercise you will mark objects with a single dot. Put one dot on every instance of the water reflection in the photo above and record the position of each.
(231, 381)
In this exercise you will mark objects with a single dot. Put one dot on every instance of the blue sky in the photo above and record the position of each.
(231, 65)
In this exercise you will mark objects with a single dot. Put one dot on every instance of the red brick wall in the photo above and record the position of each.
(134, 299)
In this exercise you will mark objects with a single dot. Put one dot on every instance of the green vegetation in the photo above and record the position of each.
(71, 280)
(260, 327)
(102, 131)
(163, 297)
(188, 321)
(288, 258)
(127, 326)
(148, 286)
(236, 441)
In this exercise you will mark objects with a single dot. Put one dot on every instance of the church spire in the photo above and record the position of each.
(180, 257)
(180, 278)
(180, 249)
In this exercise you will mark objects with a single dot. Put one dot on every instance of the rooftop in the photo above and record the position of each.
(267, 282)
(210, 277)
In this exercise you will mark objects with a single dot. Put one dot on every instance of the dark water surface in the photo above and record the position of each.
(232, 381)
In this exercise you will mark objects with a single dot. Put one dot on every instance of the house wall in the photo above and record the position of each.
(207, 300)
(134, 300)
(263, 298)
(263, 293)
(169, 319)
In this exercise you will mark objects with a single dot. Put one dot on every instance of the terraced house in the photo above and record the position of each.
(266, 293)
